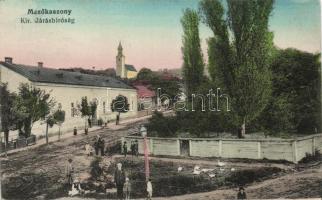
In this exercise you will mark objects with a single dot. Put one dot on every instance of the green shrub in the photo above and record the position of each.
(242, 177)
(310, 158)
(162, 126)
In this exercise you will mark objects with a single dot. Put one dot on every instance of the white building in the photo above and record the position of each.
(67, 88)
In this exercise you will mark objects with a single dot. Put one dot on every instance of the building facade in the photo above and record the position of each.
(67, 89)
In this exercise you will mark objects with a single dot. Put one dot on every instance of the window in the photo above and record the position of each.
(104, 110)
(72, 110)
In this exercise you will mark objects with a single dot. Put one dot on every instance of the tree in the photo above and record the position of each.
(162, 126)
(32, 104)
(193, 64)
(87, 110)
(120, 104)
(7, 113)
(145, 74)
(242, 65)
(57, 117)
(295, 104)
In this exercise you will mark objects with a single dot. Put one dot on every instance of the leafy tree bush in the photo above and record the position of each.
(240, 53)
(120, 104)
(193, 64)
(88, 110)
(8, 114)
(57, 117)
(32, 104)
(295, 104)
(162, 126)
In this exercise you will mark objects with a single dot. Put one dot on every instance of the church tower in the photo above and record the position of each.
(120, 62)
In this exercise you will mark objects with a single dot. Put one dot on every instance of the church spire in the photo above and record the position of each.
(120, 48)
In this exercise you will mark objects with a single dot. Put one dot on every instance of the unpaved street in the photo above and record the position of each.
(35, 172)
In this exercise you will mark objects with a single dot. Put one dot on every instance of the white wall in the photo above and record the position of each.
(68, 94)
(12, 78)
(292, 150)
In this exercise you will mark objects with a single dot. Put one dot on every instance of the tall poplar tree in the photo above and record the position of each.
(193, 64)
(241, 61)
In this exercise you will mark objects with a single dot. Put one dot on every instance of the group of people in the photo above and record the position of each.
(134, 148)
(123, 184)
(99, 146)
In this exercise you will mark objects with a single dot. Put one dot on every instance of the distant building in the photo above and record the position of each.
(124, 70)
(146, 97)
(68, 88)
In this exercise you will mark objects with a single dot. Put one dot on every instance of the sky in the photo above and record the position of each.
(149, 30)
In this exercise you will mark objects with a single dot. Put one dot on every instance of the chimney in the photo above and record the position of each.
(8, 60)
(40, 64)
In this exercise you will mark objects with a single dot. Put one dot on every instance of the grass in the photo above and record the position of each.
(167, 181)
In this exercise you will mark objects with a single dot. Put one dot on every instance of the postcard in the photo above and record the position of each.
(160, 99)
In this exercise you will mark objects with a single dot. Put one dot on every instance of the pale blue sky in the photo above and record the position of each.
(150, 31)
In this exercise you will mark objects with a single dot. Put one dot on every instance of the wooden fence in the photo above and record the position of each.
(17, 143)
(292, 150)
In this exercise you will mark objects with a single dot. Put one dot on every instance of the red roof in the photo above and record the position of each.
(144, 92)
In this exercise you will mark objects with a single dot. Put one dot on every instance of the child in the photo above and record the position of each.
(88, 149)
(149, 189)
(127, 188)
(241, 194)
(76, 189)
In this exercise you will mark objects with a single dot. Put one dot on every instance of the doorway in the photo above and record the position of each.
(184, 148)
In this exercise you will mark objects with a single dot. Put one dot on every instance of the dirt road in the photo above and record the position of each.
(34, 172)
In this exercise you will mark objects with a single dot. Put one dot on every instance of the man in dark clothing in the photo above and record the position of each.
(102, 146)
(117, 119)
(97, 144)
(136, 144)
(125, 149)
(133, 148)
(119, 179)
(241, 194)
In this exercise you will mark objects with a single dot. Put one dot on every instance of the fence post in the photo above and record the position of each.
(259, 150)
(294, 144)
(178, 144)
(313, 145)
(122, 142)
(190, 147)
(220, 148)
(151, 145)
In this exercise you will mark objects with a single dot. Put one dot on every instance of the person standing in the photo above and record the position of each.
(125, 149)
(117, 122)
(241, 194)
(133, 148)
(96, 144)
(127, 188)
(69, 172)
(119, 179)
(136, 144)
(149, 189)
(102, 146)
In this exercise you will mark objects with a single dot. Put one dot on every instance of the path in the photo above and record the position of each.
(111, 126)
